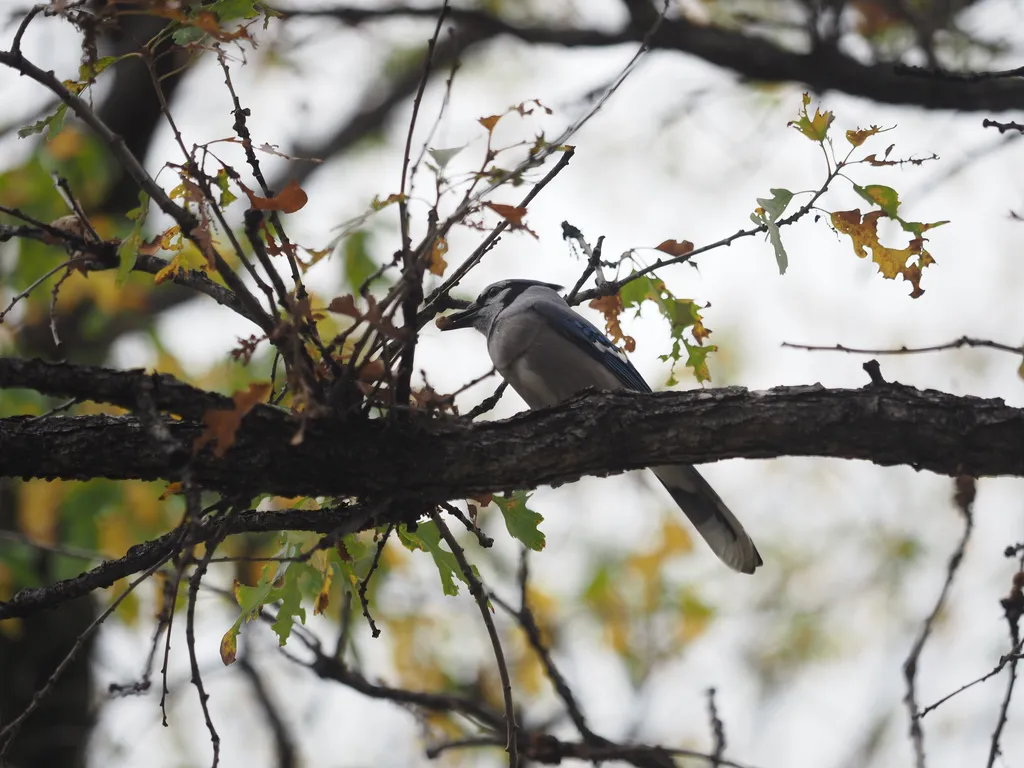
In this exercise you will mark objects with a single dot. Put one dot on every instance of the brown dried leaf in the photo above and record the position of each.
(222, 424)
(675, 247)
(289, 200)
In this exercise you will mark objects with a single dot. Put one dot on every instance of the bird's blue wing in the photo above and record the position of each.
(588, 338)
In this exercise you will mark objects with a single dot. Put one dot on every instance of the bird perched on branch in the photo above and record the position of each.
(548, 353)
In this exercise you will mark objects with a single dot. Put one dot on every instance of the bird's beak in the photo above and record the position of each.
(462, 319)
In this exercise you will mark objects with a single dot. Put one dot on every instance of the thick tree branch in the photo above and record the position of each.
(823, 69)
(594, 434)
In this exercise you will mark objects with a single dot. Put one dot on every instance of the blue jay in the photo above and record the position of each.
(548, 353)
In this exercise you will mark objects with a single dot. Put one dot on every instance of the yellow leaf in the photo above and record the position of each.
(858, 137)
(815, 128)
(437, 263)
(863, 233)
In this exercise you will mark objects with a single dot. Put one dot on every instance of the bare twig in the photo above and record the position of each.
(1013, 607)
(190, 641)
(476, 589)
(411, 283)
(365, 583)
(965, 490)
(717, 730)
(485, 540)
(963, 341)
(489, 403)
(524, 616)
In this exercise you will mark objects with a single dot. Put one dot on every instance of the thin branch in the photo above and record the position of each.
(476, 589)
(1013, 607)
(365, 582)
(484, 540)
(190, 639)
(717, 730)
(963, 341)
(488, 403)
(965, 491)
(411, 282)
(525, 618)
(433, 304)
(614, 286)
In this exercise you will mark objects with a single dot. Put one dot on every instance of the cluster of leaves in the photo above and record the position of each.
(861, 228)
(686, 324)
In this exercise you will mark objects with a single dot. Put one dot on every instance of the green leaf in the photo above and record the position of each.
(229, 10)
(885, 198)
(128, 250)
(697, 359)
(54, 122)
(521, 521)
(187, 35)
(227, 197)
(358, 264)
(775, 206)
(428, 539)
(773, 209)
(682, 315)
(444, 156)
(919, 228)
(90, 69)
(291, 599)
(276, 584)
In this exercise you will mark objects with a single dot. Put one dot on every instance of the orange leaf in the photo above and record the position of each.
(437, 263)
(510, 212)
(490, 122)
(170, 490)
(611, 307)
(288, 200)
(675, 247)
(222, 424)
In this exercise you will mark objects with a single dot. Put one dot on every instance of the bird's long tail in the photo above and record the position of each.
(709, 515)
